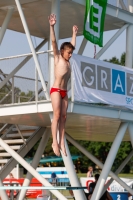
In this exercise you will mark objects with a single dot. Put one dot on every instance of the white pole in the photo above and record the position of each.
(110, 42)
(123, 5)
(5, 23)
(130, 5)
(109, 161)
(35, 161)
(129, 47)
(18, 172)
(3, 194)
(32, 47)
(30, 169)
(36, 84)
(13, 89)
(78, 194)
(82, 46)
(130, 128)
(118, 171)
(97, 162)
(55, 8)
(129, 40)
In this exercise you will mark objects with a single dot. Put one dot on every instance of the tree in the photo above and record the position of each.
(117, 61)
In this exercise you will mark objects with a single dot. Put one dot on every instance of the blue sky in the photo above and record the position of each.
(16, 43)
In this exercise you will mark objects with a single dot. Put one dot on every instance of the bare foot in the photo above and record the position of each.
(63, 149)
(56, 149)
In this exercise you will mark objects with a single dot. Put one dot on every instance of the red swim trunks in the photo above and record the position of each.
(63, 93)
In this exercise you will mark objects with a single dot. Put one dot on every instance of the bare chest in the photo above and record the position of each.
(62, 68)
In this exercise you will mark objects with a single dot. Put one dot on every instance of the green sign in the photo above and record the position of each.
(94, 21)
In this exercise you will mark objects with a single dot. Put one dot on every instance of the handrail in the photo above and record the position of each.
(28, 54)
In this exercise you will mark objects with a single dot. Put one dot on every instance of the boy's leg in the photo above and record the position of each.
(56, 104)
(62, 121)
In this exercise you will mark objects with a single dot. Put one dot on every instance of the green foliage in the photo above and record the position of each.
(122, 59)
(117, 61)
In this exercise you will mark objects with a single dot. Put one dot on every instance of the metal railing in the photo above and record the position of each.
(117, 3)
(22, 85)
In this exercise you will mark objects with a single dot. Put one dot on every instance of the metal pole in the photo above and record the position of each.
(30, 169)
(78, 194)
(36, 84)
(123, 5)
(5, 23)
(32, 47)
(3, 194)
(109, 161)
(55, 8)
(17, 127)
(97, 162)
(4, 127)
(35, 161)
(130, 5)
(130, 129)
(118, 171)
(9, 93)
(110, 42)
(129, 47)
(18, 172)
(20, 65)
(13, 89)
(129, 40)
(82, 46)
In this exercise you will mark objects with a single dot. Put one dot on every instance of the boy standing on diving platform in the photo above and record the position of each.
(58, 92)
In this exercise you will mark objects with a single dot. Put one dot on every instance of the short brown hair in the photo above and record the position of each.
(65, 45)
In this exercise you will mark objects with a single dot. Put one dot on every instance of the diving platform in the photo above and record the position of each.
(84, 121)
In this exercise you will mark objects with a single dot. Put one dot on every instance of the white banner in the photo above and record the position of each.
(97, 81)
(114, 186)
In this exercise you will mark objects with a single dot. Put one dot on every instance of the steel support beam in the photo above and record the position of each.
(20, 65)
(32, 47)
(129, 40)
(29, 168)
(3, 194)
(78, 194)
(130, 129)
(129, 47)
(22, 152)
(109, 161)
(5, 23)
(130, 5)
(114, 12)
(110, 42)
(35, 161)
(9, 130)
(97, 162)
(123, 5)
(118, 170)
(82, 46)
(5, 126)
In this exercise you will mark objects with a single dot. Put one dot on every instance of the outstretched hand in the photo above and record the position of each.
(52, 19)
(75, 29)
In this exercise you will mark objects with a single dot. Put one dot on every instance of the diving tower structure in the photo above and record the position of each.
(85, 121)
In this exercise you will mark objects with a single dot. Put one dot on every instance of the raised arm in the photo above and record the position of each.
(73, 40)
(52, 22)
